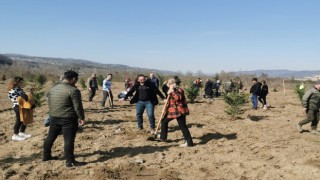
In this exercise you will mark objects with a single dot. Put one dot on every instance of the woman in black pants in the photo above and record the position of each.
(263, 94)
(15, 91)
(176, 109)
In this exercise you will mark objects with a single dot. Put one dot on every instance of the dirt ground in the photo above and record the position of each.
(262, 144)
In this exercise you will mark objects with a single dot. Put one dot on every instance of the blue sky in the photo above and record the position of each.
(178, 35)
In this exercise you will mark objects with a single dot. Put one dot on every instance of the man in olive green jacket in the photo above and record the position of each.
(65, 109)
(311, 105)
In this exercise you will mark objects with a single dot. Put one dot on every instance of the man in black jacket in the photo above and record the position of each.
(145, 98)
(255, 91)
(92, 86)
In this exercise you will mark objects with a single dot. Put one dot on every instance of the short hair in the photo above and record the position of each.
(254, 79)
(70, 74)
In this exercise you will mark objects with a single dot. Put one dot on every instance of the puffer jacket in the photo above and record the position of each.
(64, 102)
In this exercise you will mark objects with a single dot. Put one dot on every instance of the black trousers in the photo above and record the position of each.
(18, 126)
(92, 93)
(263, 100)
(69, 128)
(182, 125)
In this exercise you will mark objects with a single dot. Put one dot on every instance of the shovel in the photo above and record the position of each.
(154, 136)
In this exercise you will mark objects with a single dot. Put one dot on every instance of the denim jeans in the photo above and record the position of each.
(69, 128)
(140, 107)
(254, 100)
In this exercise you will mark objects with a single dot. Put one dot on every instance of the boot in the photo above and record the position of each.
(314, 130)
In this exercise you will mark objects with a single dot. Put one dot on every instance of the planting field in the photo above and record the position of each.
(262, 144)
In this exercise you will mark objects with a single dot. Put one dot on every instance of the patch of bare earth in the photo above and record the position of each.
(262, 144)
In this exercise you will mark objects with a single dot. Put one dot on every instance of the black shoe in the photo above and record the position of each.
(75, 163)
(50, 158)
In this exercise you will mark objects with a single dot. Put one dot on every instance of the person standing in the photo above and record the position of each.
(263, 94)
(65, 109)
(255, 92)
(311, 105)
(106, 88)
(145, 97)
(15, 91)
(176, 108)
(208, 89)
(92, 86)
(154, 80)
(128, 84)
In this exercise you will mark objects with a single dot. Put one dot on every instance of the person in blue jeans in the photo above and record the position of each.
(145, 98)
(255, 92)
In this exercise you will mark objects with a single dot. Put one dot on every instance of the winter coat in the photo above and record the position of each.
(177, 105)
(64, 102)
(264, 90)
(256, 88)
(311, 99)
(152, 90)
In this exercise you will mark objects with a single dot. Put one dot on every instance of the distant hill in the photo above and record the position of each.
(283, 73)
(82, 63)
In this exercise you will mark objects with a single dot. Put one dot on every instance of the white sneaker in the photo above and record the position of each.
(184, 145)
(24, 135)
(17, 138)
(265, 107)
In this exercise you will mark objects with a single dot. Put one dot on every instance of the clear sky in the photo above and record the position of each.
(179, 35)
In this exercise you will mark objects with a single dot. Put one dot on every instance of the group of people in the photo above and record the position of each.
(92, 85)
(259, 92)
(66, 110)
(211, 89)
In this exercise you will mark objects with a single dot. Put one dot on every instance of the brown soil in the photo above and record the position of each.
(262, 144)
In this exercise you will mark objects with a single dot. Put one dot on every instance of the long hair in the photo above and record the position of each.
(15, 82)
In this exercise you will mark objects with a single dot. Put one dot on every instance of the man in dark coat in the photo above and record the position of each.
(145, 97)
(208, 89)
(255, 92)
